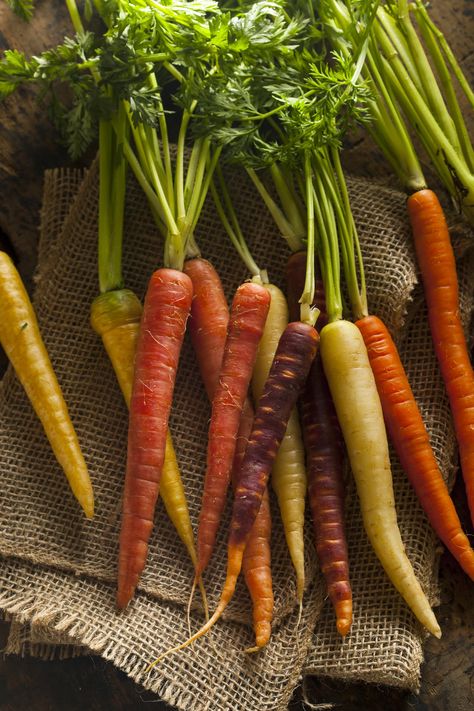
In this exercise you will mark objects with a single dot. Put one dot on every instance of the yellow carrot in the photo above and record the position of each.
(358, 408)
(115, 317)
(21, 340)
(288, 471)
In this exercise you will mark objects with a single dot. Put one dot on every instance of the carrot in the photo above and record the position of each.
(21, 340)
(256, 563)
(115, 317)
(165, 312)
(358, 408)
(295, 353)
(438, 272)
(410, 438)
(325, 457)
(289, 468)
(208, 329)
(247, 319)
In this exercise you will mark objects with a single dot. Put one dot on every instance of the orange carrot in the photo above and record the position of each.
(438, 272)
(411, 441)
(208, 328)
(325, 457)
(165, 312)
(247, 319)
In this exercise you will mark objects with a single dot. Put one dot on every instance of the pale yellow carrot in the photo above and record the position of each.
(359, 411)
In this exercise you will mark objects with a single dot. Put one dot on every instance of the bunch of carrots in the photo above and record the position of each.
(274, 90)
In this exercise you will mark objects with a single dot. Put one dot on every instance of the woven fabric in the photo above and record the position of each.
(58, 574)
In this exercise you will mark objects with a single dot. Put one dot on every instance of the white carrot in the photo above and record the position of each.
(358, 408)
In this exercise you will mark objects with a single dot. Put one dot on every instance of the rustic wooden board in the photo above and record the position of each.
(27, 148)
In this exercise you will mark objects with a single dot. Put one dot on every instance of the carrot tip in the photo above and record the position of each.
(253, 650)
(343, 625)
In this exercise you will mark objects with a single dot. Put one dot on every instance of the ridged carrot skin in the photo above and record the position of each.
(411, 441)
(247, 319)
(354, 393)
(289, 468)
(163, 324)
(438, 272)
(208, 328)
(209, 321)
(325, 458)
(21, 340)
(257, 558)
(295, 353)
(115, 317)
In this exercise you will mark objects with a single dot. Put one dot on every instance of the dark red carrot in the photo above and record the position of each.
(325, 458)
(438, 272)
(247, 320)
(163, 324)
(411, 441)
(295, 353)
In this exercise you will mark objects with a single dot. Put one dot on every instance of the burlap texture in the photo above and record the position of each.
(59, 570)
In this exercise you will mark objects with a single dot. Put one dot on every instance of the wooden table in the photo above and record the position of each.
(27, 148)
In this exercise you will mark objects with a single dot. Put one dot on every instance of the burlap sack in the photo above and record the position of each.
(59, 570)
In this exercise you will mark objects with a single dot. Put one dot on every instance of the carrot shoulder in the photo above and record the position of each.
(438, 272)
(410, 439)
(165, 312)
(21, 339)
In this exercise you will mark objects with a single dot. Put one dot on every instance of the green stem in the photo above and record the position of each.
(308, 314)
(287, 230)
(288, 200)
(232, 226)
(75, 16)
(433, 137)
(105, 236)
(452, 61)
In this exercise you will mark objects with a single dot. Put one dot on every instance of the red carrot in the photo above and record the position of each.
(411, 441)
(209, 320)
(208, 328)
(325, 458)
(438, 271)
(247, 320)
(166, 309)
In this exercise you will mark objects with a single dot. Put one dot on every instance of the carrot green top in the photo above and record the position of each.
(413, 76)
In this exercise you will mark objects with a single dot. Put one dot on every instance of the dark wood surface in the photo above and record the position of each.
(27, 147)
